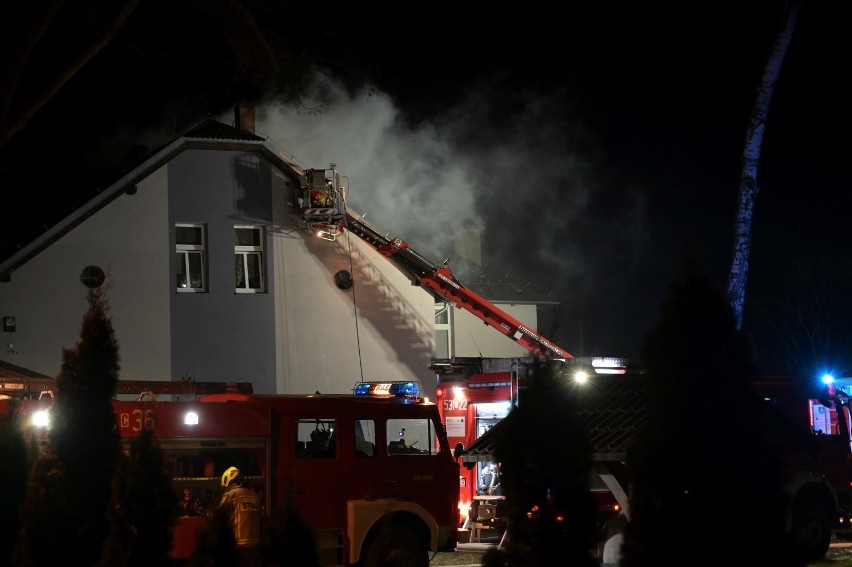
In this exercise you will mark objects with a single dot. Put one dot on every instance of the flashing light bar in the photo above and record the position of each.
(610, 371)
(388, 389)
(608, 362)
(609, 365)
(828, 380)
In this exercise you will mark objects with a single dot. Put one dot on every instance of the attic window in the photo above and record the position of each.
(92, 276)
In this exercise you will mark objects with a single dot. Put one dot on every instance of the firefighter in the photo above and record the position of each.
(243, 505)
(191, 504)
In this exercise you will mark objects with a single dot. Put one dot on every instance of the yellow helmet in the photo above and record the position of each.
(229, 475)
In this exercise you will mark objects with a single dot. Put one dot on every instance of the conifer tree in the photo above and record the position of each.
(287, 539)
(702, 466)
(143, 509)
(216, 546)
(69, 485)
(13, 479)
(546, 461)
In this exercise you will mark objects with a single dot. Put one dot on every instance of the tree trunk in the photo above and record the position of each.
(749, 185)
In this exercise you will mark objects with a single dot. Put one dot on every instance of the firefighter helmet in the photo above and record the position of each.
(230, 475)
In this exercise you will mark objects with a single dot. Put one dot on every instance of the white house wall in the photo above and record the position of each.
(126, 239)
(380, 329)
(474, 338)
(399, 318)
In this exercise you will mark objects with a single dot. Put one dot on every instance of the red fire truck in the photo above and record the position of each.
(347, 461)
(474, 394)
(816, 438)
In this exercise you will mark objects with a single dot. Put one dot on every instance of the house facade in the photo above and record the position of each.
(209, 276)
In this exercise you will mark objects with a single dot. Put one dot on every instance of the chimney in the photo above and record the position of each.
(244, 118)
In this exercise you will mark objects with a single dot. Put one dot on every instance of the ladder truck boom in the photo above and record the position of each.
(441, 282)
(322, 206)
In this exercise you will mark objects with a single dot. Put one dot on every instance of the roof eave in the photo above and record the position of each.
(120, 187)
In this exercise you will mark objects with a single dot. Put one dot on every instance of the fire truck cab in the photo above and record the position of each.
(818, 457)
(348, 463)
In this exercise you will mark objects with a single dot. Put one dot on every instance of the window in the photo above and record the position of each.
(315, 438)
(410, 437)
(248, 259)
(190, 257)
(443, 331)
(365, 437)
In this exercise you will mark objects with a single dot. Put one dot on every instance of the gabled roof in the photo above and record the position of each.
(11, 371)
(16, 381)
(613, 412)
(214, 130)
(208, 134)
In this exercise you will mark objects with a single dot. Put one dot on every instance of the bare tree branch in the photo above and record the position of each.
(17, 107)
(18, 47)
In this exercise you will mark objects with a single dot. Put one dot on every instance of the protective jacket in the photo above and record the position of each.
(244, 504)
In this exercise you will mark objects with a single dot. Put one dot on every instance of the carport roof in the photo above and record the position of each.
(613, 411)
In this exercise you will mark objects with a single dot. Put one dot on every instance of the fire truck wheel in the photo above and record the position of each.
(811, 531)
(405, 548)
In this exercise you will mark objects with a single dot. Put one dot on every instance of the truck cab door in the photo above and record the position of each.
(315, 472)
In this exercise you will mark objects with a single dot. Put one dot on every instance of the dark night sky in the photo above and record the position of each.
(584, 145)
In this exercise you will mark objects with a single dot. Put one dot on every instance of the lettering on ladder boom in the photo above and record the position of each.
(448, 280)
(539, 339)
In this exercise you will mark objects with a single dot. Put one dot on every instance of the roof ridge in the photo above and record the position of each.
(211, 128)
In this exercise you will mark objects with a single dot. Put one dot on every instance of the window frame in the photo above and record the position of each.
(411, 436)
(190, 251)
(244, 252)
(316, 438)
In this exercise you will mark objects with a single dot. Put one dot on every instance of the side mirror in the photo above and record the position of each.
(457, 452)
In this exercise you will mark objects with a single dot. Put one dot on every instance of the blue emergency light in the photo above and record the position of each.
(828, 380)
(390, 389)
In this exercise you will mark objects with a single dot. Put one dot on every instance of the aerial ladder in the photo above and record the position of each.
(322, 207)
